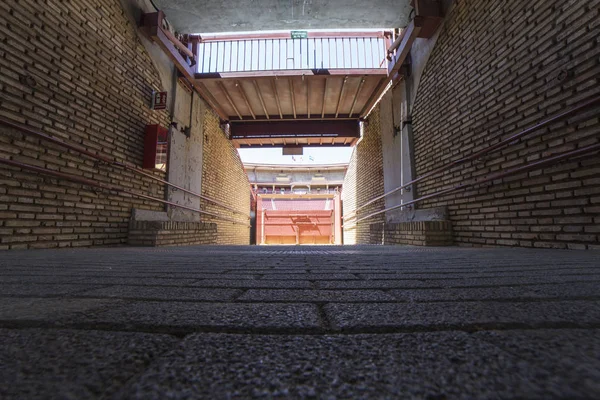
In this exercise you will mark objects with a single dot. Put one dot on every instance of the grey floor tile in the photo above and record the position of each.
(461, 314)
(163, 293)
(67, 364)
(426, 366)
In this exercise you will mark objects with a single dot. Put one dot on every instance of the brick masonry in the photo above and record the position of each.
(421, 233)
(78, 71)
(363, 181)
(224, 178)
(171, 233)
(506, 66)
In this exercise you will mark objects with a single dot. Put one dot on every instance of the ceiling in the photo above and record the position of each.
(204, 16)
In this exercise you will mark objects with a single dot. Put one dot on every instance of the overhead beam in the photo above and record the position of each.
(337, 109)
(308, 97)
(286, 35)
(324, 97)
(154, 30)
(405, 41)
(229, 99)
(292, 129)
(274, 83)
(298, 117)
(291, 83)
(313, 74)
(243, 93)
(360, 85)
(262, 101)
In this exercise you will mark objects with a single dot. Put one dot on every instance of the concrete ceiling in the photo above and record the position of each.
(204, 16)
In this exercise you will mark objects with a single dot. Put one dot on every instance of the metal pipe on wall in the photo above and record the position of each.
(503, 143)
(113, 188)
(525, 168)
(110, 161)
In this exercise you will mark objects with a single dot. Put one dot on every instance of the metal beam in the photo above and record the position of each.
(292, 129)
(309, 73)
(406, 40)
(298, 117)
(274, 83)
(243, 93)
(262, 101)
(229, 99)
(307, 97)
(360, 85)
(157, 35)
(291, 83)
(286, 35)
(337, 109)
(324, 96)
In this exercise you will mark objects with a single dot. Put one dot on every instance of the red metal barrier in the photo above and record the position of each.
(300, 219)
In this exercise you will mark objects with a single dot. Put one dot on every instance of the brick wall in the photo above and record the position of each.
(224, 179)
(75, 70)
(363, 181)
(421, 233)
(499, 67)
(171, 233)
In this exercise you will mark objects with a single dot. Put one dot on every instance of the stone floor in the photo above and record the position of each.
(300, 322)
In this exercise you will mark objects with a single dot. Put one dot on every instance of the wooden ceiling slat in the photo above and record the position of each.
(360, 85)
(274, 85)
(293, 99)
(262, 101)
(339, 103)
(243, 93)
(229, 99)
(324, 98)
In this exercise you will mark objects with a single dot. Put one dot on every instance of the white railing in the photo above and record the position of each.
(291, 54)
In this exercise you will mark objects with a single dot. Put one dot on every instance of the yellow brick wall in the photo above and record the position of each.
(364, 181)
(224, 179)
(76, 70)
(499, 67)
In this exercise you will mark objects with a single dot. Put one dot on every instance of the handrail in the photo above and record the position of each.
(502, 143)
(110, 187)
(525, 168)
(110, 161)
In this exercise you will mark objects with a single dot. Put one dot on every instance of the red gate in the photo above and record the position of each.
(298, 219)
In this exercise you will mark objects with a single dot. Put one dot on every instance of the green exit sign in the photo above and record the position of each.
(299, 34)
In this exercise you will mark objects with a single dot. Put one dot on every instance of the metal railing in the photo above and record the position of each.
(291, 54)
(503, 143)
(121, 164)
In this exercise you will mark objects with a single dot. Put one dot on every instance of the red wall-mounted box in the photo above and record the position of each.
(156, 145)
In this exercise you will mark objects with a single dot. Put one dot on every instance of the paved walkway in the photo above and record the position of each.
(299, 322)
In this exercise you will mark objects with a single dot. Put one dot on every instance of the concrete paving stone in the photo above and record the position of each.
(42, 289)
(163, 293)
(456, 314)
(375, 284)
(571, 353)
(340, 276)
(299, 295)
(22, 278)
(48, 309)
(221, 276)
(67, 364)
(488, 279)
(254, 284)
(509, 281)
(563, 291)
(449, 365)
(144, 315)
(100, 280)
